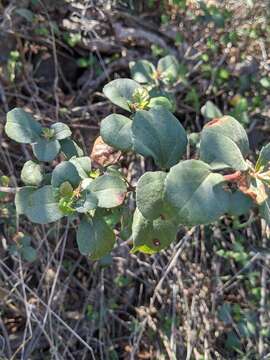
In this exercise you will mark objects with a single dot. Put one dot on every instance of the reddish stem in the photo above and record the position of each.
(233, 177)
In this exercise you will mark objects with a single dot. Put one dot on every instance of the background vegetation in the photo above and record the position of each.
(207, 296)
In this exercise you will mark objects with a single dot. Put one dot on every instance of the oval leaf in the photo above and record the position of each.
(29, 253)
(196, 193)
(115, 130)
(239, 204)
(21, 126)
(21, 198)
(69, 148)
(157, 133)
(83, 166)
(88, 201)
(224, 144)
(32, 173)
(151, 236)
(61, 131)
(161, 101)
(46, 150)
(150, 195)
(168, 68)
(95, 238)
(264, 158)
(42, 208)
(65, 171)
(120, 92)
(142, 71)
(109, 189)
(210, 111)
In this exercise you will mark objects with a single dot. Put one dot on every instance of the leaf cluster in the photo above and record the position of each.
(220, 180)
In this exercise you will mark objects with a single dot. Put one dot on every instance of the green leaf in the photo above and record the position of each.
(25, 240)
(264, 208)
(157, 133)
(150, 195)
(109, 189)
(264, 158)
(42, 208)
(210, 111)
(66, 189)
(142, 71)
(115, 131)
(168, 68)
(83, 166)
(224, 144)
(121, 91)
(95, 238)
(29, 253)
(65, 171)
(151, 236)
(61, 131)
(87, 202)
(66, 205)
(161, 101)
(46, 150)
(21, 198)
(69, 148)
(239, 203)
(196, 193)
(32, 173)
(21, 126)
(158, 93)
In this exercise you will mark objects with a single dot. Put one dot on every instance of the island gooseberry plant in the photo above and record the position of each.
(220, 180)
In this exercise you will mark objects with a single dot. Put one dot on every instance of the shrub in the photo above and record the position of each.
(220, 180)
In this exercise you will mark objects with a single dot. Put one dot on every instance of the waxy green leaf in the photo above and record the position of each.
(95, 238)
(46, 150)
(115, 131)
(61, 131)
(142, 71)
(66, 189)
(224, 144)
(161, 101)
(109, 189)
(88, 201)
(69, 148)
(264, 158)
(151, 236)
(42, 208)
(196, 193)
(168, 68)
(157, 133)
(239, 203)
(21, 198)
(83, 166)
(29, 253)
(121, 91)
(150, 195)
(65, 171)
(21, 126)
(210, 111)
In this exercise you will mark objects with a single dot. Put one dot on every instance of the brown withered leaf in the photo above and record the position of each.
(251, 187)
(103, 154)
